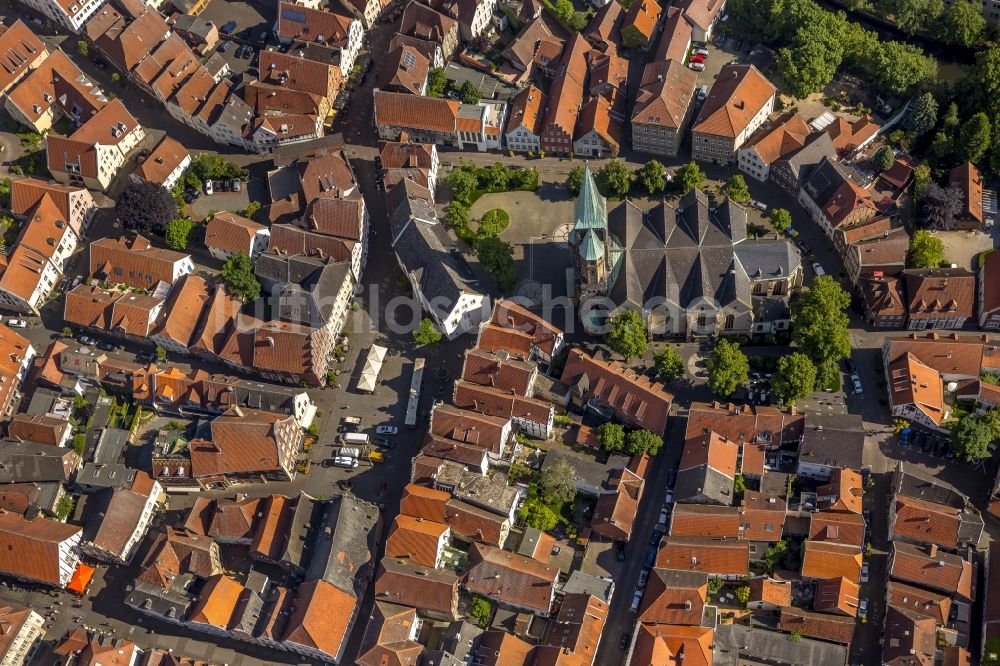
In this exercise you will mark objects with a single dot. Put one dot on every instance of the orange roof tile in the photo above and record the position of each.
(674, 597)
(672, 645)
(831, 560)
(817, 625)
(932, 568)
(415, 539)
(19, 48)
(712, 556)
(836, 527)
(412, 111)
(705, 520)
(927, 522)
(322, 617)
(642, 16)
(739, 93)
(837, 595)
(770, 591)
(231, 233)
(166, 156)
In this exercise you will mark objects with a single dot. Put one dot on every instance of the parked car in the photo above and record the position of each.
(702, 51)
(904, 437)
(387, 430)
(864, 572)
(345, 461)
(209, 190)
(849, 364)
(17, 323)
(623, 641)
(234, 184)
(856, 382)
(620, 550)
(650, 558)
(702, 93)
(657, 536)
(697, 58)
(671, 477)
(643, 577)
(818, 269)
(863, 609)
(636, 601)
(759, 205)
(697, 66)
(106, 346)
(87, 340)
(668, 499)
(804, 247)
(225, 46)
(664, 515)
(228, 28)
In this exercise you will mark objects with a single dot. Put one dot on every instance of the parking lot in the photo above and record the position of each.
(253, 26)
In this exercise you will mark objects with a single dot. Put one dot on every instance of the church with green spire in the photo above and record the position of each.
(588, 240)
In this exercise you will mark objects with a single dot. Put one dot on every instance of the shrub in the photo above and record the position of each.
(493, 222)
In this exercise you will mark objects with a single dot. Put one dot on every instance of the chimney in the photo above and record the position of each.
(932, 551)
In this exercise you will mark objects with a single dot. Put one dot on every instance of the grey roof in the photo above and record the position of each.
(110, 445)
(928, 490)
(683, 255)
(802, 162)
(581, 583)
(246, 615)
(23, 461)
(704, 482)
(170, 602)
(235, 113)
(529, 540)
(43, 401)
(737, 644)
(289, 154)
(407, 209)
(193, 24)
(111, 475)
(833, 440)
(485, 492)
(283, 182)
(343, 543)
(768, 259)
(587, 470)
(297, 535)
(420, 244)
(309, 301)
(266, 397)
(489, 86)
(215, 64)
(459, 638)
(440, 658)
(824, 179)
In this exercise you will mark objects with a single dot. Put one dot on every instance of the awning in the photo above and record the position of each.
(81, 578)
(373, 365)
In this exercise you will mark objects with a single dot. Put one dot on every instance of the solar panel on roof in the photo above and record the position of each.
(293, 15)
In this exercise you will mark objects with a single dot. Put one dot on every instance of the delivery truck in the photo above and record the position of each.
(355, 438)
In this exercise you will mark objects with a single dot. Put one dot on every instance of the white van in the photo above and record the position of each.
(343, 461)
(349, 452)
(355, 438)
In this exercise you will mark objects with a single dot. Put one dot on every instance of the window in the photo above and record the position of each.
(730, 322)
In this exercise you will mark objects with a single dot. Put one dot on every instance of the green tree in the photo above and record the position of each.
(251, 209)
(495, 177)
(736, 189)
(971, 438)
(436, 82)
(806, 69)
(974, 139)
(574, 181)
(951, 120)
(493, 222)
(240, 281)
(821, 322)
(781, 219)
(463, 184)
(469, 93)
(480, 608)
(728, 367)
(64, 507)
(739, 485)
(5, 193)
(497, 258)
(942, 146)
(883, 158)
(557, 483)
(615, 177)
(611, 436)
(161, 354)
(535, 514)
(899, 68)
(669, 364)
(627, 335)
(913, 16)
(923, 114)
(689, 177)
(921, 180)
(643, 441)
(743, 594)
(964, 23)
(795, 378)
(179, 232)
(994, 147)
(652, 177)
(83, 48)
(116, 77)
(926, 250)
(426, 334)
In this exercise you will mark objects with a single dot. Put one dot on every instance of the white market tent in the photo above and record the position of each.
(373, 365)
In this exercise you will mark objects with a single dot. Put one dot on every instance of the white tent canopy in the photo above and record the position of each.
(373, 365)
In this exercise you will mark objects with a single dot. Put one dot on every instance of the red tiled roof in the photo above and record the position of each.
(507, 374)
(412, 111)
(831, 560)
(835, 527)
(415, 539)
(738, 94)
(937, 293)
(510, 578)
(837, 595)
(19, 48)
(927, 522)
(704, 520)
(674, 597)
(712, 556)
(817, 625)
(769, 591)
(929, 567)
(671, 645)
(231, 233)
(30, 548)
(322, 617)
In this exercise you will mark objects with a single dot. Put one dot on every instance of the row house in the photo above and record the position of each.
(480, 125)
(423, 119)
(535, 50)
(429, 49)
(246, 446)
(175, 330)
(123, 39)
(520, 333)
(23, 51)
(566, 96)
(492, 433)
(877, 245)
(366, 11)
(663, 107)
(16, 358)
(136, 263)
(833, 200)
(939, 298)
(408, 155)
(116, 519)
(340, 34)
(425, 23)
(702, 15)
(126, 313)
(227, 234)
(884, 300)
(38, 550)
(164, 165)
(988, 292)
(54, 218)
(850, 136)
(739, 102)
(92, 155)
(72, 14)
(513, 581)
(603, 31)
(473, 17)
(969, 181)
(532, 417)
(598, 133)
(56, 89)
(918, 368)
(406, 71)
(777, 139)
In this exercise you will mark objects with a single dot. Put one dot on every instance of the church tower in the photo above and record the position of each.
(588, 240)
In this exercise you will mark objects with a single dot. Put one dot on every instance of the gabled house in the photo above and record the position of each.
(707, 470)
(227, 233)
(164, 165)
(38, 550)
(116, 520)
(598, 133)
(136, 263)
(524, 121)
(833, 200)
(939, 298)
(23, 51)
(779, 139)
(340, 37)
(513, 581)
(703, 16)
(423, 22)
(423, 119)
(663, 107)
(93, 154)
(739, 102)
(639, 25)
(988, 292)
(566, 96)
